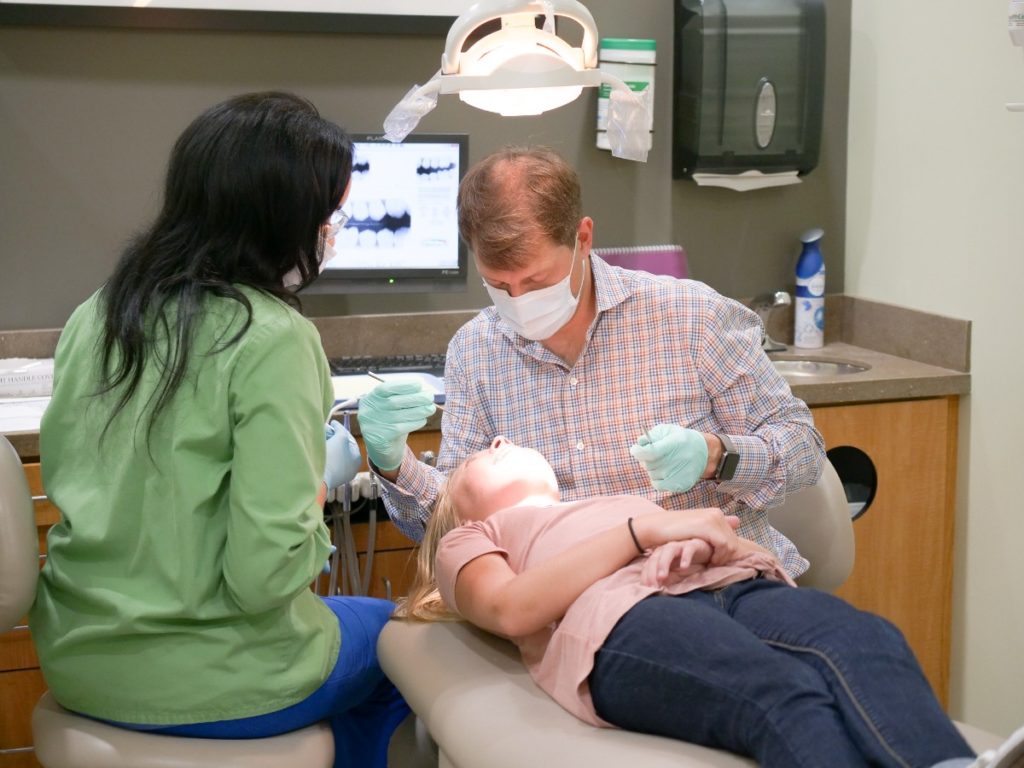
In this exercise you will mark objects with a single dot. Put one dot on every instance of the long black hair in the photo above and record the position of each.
(250, 184)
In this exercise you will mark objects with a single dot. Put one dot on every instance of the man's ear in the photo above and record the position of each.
(585, 233)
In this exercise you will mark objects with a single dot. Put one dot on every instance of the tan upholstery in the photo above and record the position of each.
(477, 700)
(65, 740)
(479, 704)
(817, 520)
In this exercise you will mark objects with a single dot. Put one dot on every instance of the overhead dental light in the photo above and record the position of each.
(519, 69)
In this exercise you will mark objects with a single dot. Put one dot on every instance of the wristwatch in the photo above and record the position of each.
(729, 461)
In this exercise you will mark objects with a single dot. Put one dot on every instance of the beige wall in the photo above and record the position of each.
(936, 182)
(87, 118)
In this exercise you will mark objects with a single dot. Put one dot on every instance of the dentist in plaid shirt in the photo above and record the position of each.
(628, 383)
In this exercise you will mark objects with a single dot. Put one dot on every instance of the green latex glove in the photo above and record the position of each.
(386, 417)
(674, 456)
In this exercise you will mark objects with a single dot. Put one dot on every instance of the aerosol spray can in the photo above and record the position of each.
(809, 310)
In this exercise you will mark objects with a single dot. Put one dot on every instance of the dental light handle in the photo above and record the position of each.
(489, 10)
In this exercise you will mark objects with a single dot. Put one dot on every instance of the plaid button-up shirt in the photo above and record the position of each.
(660, 350)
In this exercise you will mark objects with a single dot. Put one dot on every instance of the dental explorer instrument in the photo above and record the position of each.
(381, 379)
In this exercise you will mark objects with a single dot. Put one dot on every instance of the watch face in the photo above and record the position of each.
(727, 469)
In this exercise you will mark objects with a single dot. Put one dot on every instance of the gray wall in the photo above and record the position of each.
(87, 118)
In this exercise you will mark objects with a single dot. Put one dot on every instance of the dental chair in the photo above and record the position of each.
(66, 740)
(479, 704)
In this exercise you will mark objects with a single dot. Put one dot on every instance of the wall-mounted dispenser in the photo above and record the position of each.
(748, 90)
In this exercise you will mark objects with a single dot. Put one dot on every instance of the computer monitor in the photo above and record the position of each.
(403, 234)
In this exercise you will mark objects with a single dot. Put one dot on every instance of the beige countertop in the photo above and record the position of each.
(887, 377)
(907, 354)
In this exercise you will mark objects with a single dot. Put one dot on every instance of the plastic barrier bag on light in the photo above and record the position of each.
(408, 112)
(628, 119)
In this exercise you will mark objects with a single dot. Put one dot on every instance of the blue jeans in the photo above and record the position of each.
(790, 677)
(362, 705)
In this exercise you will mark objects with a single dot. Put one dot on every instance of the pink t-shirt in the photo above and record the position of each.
(561, 656)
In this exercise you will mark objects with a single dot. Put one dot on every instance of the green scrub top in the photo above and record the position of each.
(177, 584)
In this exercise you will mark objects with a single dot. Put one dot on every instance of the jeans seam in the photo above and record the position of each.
(752, 702)
(849, 692)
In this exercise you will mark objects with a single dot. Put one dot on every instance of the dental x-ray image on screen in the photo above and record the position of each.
(402, 234)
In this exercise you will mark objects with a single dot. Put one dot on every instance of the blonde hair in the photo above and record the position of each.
(424, 603)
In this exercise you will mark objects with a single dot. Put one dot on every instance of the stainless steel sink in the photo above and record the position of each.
(807, 367)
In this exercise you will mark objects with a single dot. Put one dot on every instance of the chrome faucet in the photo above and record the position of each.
(763, 306)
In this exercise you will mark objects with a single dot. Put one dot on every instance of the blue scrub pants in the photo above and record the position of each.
(791, 677)
(362, 705)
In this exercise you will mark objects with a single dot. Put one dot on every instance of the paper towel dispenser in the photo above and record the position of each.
(749, 86)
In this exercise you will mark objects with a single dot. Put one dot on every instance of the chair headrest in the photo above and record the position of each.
(19, 545)
(817, 520)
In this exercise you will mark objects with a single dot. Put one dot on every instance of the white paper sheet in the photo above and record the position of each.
(748, 180)
(20, 415)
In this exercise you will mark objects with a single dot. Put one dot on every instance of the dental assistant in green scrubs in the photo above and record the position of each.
(185, 447)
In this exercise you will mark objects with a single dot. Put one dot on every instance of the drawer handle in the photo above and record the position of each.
(16, 750)
(37, 499)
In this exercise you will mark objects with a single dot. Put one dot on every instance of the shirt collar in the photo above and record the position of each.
(611, 286)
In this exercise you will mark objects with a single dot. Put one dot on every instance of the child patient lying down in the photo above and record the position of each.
(667, 622)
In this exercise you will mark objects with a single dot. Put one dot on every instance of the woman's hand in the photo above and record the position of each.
(709, 524)
(343, 458)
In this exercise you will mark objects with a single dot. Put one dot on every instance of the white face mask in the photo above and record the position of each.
(293, 279)
(539, 314)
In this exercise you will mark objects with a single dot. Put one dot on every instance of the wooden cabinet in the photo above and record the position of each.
(19, 692)
(394, 555)
(903, 568)
(394, 559)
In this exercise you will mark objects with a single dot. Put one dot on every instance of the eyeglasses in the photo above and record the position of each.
(337, 221)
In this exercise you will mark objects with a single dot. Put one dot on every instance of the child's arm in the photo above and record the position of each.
(492, 596)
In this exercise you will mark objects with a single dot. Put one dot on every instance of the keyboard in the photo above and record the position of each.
(430, 363)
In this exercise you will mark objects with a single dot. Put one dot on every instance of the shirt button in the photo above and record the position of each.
(573, 381)
(579, 446)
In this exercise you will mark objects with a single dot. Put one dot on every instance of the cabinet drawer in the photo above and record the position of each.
(395, 567)
(19, 692)
(17, 651)
(19, 760)
(387, 536)
(46, 513)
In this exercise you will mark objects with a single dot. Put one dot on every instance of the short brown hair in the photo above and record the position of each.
(513, 198)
